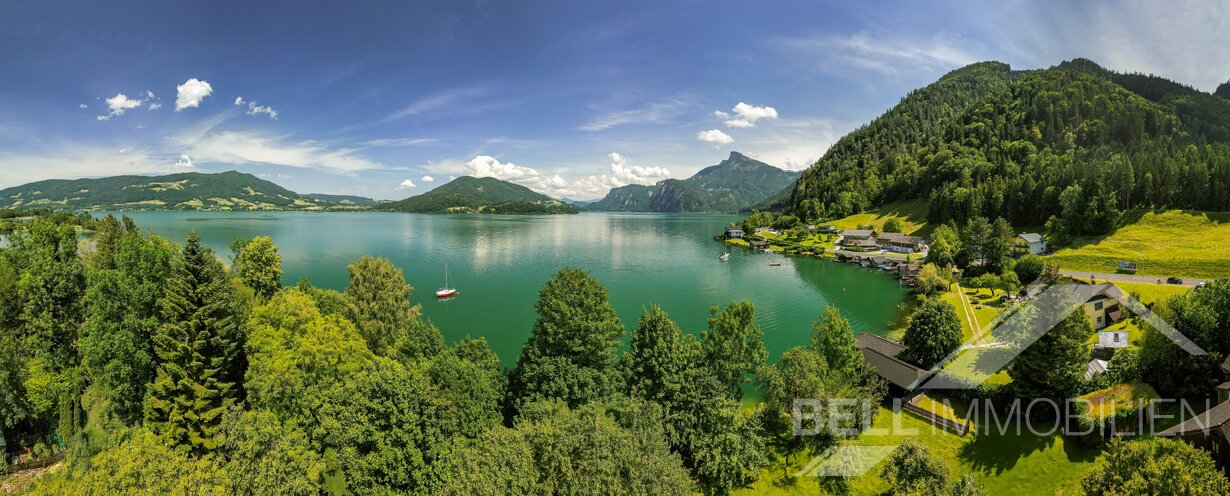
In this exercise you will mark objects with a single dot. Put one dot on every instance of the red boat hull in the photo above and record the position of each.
(445, 293)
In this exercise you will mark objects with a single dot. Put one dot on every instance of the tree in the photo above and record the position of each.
(800, 374)
(264, 456)
(944, 247)
(934, 333)
(893, 225)
(997, 250)
(1203, 317)
(1155, 466)
(930, 281)
(378, 303)
(911, 470)
(974, 238)
(260, 266)
(194, 345)
(1029, 267)
(1054, 365)
(656, 359)
(142, 465)
(833, 338)
(571, 351)
(116, 345)
(966, 485)
(733, 345)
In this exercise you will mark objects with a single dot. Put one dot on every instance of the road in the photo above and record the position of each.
(1187, 281)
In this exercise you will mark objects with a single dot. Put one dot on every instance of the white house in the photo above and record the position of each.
(1031, 243)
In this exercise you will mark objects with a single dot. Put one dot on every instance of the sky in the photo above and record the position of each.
(570, 98)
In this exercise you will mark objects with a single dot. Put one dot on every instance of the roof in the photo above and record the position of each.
(1095, 367)
(1212, 418)
(1112, 339)
(758, 243)
(1225, 365)
(881, 355)
(1105, 290)
(1032, 237)
(858, 233)
(904, 239)
(733, 229)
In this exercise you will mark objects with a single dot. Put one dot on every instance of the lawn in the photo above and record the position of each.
(913, 215)
(1163, 244)
(1152, 293)
(1104, 403)
(954, 298)
(1005, 464)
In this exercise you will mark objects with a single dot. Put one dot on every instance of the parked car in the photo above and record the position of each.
(1174, 280)
(1200, 285)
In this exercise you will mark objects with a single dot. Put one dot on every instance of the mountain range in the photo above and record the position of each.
(481, 195)
(1071, 145)
(730, 186)
(184, 191)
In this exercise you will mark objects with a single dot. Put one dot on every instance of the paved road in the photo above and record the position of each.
(1187, 281)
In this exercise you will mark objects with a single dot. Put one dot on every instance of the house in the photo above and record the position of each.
(881, 354)
(901, 243)
(909, 272)
(759, 245)
(826, 230)
(734, 232)
(1095, 367)
(1028, 243)
(767, 230)
(1112, 339)
(1103, 307)
(1209, 431)
(862, 239)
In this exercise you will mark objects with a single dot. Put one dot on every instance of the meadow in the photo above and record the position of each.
(1162, 243)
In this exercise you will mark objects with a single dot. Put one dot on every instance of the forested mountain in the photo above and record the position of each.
(185, 191)
(1075, 142)
(482, 195)
(1223, 90)
(729, 186)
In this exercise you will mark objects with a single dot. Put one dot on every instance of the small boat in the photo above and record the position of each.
(725, 256)
(446, 291)
(775, 264)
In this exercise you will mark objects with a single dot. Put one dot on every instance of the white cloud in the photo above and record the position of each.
(150, 94)
(428, 179)
(118, 105)
(236, 147)
(746, 115)
(190, 94)
(437, 101)
(715, 136)
(621, 174)
(126, 149)
(239, 100)
(184, 162)
(407, 184)
(254, 109)
(82, 106)
(155, 106)
(488, 166)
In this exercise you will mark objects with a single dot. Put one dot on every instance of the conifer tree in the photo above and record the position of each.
(195, 345)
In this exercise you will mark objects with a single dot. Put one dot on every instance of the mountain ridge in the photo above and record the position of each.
(728, 186)
(229, 190)
(469, 194)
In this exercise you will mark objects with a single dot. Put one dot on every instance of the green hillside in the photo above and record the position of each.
(185, 191)
(1075, 143)
(1162, 243)
(481, 195)
(734, 184)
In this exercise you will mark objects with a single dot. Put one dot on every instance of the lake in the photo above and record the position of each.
(499, 263)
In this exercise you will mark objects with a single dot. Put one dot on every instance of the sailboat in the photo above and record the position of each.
(724, 256)
(446, 291)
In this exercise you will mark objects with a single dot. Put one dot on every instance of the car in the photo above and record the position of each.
(1200, 285)
(1174, 280)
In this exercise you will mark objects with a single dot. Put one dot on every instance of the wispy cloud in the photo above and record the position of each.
(71, 161)
(650, 113)
(207, 144)
(400, 141)
(887, 56)
(439, 101)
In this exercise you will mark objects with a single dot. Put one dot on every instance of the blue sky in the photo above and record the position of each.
(390, 99)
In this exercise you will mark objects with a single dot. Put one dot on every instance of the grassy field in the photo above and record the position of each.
(913, 215)
(1106, 402)
(1170, 243)
(1005, 464)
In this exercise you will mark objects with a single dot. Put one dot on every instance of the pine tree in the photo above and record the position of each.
(833, 338)
(195, 345)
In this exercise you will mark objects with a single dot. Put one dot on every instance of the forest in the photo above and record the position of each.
(1072, 146)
